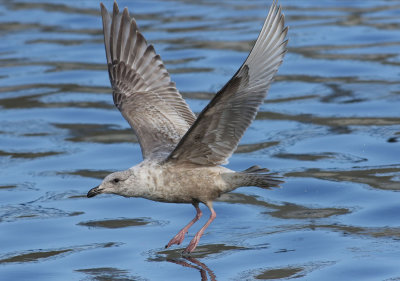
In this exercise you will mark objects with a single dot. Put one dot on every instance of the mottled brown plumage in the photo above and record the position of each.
(182, 154)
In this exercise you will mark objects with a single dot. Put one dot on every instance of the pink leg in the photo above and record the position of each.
(196, 239)
(181, 234)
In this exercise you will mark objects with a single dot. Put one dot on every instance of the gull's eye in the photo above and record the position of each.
(115, 180)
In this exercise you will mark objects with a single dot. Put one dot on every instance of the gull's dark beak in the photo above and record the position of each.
(93, 192)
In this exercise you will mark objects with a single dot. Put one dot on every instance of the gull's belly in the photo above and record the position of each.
(169, 183)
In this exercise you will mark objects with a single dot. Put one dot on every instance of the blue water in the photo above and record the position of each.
(330, 126)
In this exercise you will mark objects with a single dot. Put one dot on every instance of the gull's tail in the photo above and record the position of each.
(257, 176)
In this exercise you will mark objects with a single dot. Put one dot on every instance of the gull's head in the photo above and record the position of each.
(115, 183)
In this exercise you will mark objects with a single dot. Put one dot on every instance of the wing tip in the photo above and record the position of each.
(115, 8)
(104, 11)
(125, 13)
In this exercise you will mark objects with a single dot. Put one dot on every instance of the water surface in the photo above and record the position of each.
(330, 125)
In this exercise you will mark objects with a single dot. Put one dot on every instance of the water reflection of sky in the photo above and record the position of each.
(330, 125)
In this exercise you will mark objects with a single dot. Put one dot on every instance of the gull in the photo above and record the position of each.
(182, 154)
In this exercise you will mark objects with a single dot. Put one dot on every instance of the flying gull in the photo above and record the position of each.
(182, 154)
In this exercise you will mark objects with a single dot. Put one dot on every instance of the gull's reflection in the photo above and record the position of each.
(191, 262)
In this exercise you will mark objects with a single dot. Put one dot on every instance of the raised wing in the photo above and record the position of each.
(216, 133)
(142, 88)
